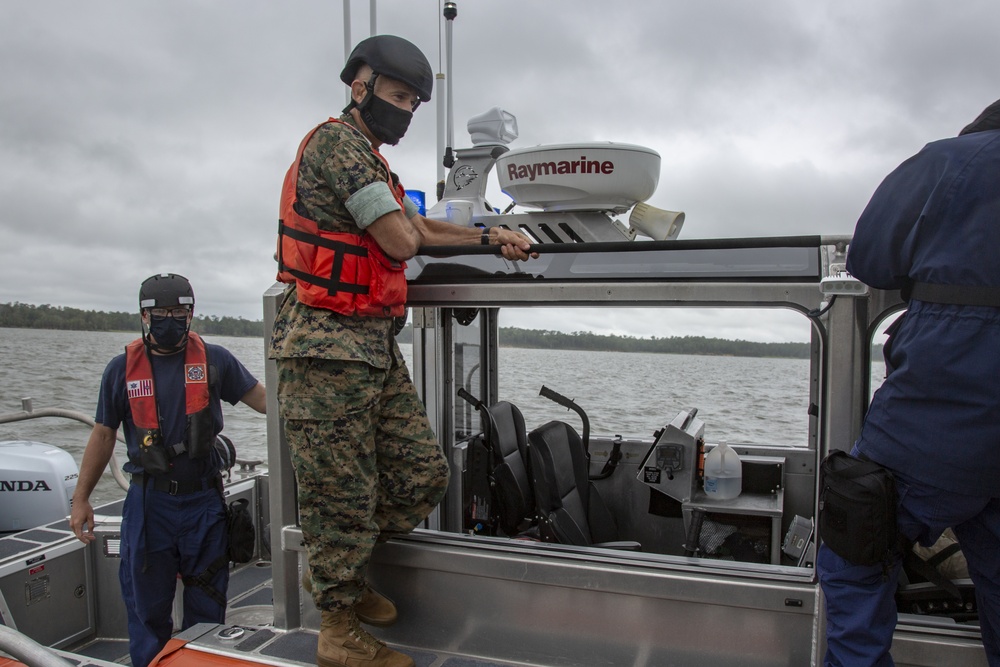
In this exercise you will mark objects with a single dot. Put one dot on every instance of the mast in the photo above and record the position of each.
(440, 82)
(450, 12)
(347, 43)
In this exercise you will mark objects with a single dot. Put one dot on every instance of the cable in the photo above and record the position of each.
(819, 312)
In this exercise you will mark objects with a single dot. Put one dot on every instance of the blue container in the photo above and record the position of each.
(419, 198)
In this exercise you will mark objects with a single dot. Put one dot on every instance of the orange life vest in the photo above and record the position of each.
(141, 389)
(346, 273)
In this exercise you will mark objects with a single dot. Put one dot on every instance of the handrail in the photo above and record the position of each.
(29, 651)
(644, 246)
(28, 413)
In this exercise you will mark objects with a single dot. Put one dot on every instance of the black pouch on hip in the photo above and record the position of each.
(857, 509)
(153, 455)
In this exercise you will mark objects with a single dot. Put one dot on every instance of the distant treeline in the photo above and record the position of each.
(26, 316)
(583, 340)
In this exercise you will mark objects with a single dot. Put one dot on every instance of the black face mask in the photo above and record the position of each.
(386, 122)
(168, 331)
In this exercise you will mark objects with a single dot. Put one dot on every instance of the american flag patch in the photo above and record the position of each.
(195, 373)
(139, 388)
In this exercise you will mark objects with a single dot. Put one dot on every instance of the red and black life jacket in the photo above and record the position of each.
(141, 389)
(346, 273)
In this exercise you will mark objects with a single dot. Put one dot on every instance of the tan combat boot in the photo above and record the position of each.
(343, 643)
(373, 608)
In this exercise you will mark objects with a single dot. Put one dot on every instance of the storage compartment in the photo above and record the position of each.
(46, 588)
(746, 528)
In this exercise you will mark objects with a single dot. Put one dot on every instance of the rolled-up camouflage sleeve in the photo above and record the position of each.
(371, 202)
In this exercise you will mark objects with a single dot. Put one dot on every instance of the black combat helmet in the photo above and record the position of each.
(395, 58)
(165, 290)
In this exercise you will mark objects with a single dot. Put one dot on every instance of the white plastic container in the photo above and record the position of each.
(723, 473)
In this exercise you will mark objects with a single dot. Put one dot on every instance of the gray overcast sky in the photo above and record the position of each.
(139, 137)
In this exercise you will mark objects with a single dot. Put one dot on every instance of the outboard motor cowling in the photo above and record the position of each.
(36, 484)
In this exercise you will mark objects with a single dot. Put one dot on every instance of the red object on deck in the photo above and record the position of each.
(175, 653)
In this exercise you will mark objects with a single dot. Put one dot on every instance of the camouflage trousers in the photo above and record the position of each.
(367, 463)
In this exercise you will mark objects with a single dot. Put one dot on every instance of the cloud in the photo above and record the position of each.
(145, 137)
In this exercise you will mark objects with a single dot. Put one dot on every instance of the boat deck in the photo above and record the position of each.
(297, 647)
(246, 635)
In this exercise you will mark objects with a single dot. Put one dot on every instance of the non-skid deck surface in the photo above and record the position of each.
(250, 587)
(300, 647)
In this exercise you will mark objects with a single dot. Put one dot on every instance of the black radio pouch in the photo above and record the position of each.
(857, 509)
(153, 455)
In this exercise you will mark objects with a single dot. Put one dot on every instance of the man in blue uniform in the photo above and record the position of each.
(932, 230)
(166, 390)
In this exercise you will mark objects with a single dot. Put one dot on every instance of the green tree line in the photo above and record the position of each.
(585, 340)
(27, 316)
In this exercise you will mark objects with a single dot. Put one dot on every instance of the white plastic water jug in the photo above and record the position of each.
(723, 473)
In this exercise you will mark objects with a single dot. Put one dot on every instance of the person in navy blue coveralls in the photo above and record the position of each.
(173, 522)
(932, 230)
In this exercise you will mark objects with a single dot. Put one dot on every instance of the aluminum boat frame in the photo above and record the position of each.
(500, 601)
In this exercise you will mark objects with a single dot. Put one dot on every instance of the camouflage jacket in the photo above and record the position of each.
(336, 163)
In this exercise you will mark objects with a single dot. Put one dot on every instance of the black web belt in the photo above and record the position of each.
(956, 295)
(176, 487)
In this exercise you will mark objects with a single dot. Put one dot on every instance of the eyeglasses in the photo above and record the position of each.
(180, 312)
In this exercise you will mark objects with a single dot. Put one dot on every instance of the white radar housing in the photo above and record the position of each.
(601, 176)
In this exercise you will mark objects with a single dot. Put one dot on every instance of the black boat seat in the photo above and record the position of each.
(570, 509)
(506, 439)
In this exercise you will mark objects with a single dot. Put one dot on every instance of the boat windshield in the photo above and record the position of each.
(632, 369)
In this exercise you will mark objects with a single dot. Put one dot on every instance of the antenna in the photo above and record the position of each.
(347, 41)
(439, 89)
(450, 12)
(372, 14)
(440, 133)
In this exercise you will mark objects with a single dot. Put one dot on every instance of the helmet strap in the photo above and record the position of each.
(369, 94)
(160, 349)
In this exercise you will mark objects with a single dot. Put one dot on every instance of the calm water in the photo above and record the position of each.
(62, 369)
(739, 399)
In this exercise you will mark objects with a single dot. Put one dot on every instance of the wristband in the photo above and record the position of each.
(485, 238)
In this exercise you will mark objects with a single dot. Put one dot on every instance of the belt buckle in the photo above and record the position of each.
(173, 487)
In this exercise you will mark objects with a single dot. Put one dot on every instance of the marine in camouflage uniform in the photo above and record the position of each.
(368, 464)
